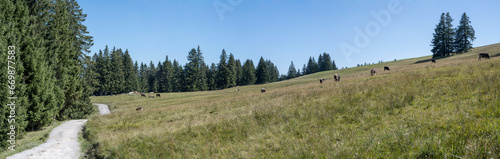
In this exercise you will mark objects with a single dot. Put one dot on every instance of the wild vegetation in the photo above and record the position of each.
(448, 109)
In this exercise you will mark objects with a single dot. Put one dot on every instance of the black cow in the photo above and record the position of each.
(263, 90)
(143, 95)
(433, 61)
(158, 94)
(386, 68)
(483, 55)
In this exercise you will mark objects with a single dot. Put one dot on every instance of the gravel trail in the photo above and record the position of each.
(62, 142)
(103, 109)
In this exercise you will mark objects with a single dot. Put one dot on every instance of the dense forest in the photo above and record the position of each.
(113, 71)
(43, 47)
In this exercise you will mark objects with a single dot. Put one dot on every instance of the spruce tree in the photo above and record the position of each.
(443, 35)
(464, 36)
(261, 72)
(192, 72)
(239, 72)
(292, 72)
(223, 72)
(231, 65)
(248, 74)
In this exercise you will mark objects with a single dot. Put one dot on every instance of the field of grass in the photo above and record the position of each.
(450, 109)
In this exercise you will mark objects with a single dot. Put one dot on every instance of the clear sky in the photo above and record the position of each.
(351, 31)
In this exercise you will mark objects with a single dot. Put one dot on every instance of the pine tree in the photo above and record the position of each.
(325, 63)
(192, 70)
(248, 74)
(292, 72)
(212, 76)
(152, 82)
(231, 65)
(443, 36)
(178, 77)
(223, 72)
(130, 82)
(261, 72)
(464, 36)
(117, 73)
(239, 72)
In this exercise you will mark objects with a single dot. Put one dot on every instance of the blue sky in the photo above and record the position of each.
(351, 31)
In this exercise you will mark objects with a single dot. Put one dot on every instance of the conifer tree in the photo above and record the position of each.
(292, 72)
(261, 72)
(231, 65)
(464, 36)
(223, 72)
(443, 36)
(239, 72)
(248, 74)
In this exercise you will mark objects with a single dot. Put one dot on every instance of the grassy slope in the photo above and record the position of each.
(447, 109)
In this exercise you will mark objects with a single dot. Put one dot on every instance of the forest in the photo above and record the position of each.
(112, 71)
(43, 47)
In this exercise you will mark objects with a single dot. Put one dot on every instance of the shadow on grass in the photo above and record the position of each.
(433, 58)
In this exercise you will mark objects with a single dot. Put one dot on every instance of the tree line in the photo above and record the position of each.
(447, 40)
(113, 71)
(46, 71)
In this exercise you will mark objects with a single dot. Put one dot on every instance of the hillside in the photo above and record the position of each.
(418, 109)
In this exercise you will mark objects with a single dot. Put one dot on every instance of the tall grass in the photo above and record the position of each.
(445, 110)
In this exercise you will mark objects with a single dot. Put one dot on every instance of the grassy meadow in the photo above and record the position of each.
(419, 109)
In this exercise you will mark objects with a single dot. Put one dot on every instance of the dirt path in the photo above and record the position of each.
(62, 142)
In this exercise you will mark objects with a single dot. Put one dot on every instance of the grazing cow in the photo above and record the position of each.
(130, 93)
(151, 96)
(373, 71)
(386, 68)
(433, 61)
(336, 77)
(143, 95)
(151, 92)
(321, 81)
(237, 90)
(262, 90)
(158, 94)
(139, 109)
(483, 55)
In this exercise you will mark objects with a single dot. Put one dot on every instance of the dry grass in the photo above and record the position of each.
(417, 110)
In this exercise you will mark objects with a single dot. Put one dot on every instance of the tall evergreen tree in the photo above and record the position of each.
(464, 36)
(248, 75)
(292, 72)
(443, 35)
(117, 73)
(223, 72)
(261, 72)
(130, 77)
(239, 72)
(192, 70)
(231, 65)
(212, 76)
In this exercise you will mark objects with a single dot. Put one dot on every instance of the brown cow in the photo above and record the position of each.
(151, 96)
(158, 94)
(373, 71)
(336, 77)
(484, 55)
(139, 109)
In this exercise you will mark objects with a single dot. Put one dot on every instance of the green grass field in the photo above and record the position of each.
(450, 109)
